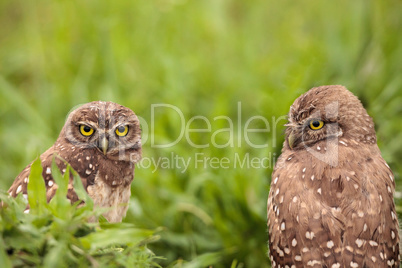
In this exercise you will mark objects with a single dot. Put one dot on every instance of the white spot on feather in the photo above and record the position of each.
(344, 143)
(313, 262)
(294, 242)
(392, 215)
(50, 183)
(277, 192)
(354, 264)
(349, 248)
(276, 180)
(359, 242)
(18, 189)
(310, 235)
(391, 262)
(330, 244)
(48, 171)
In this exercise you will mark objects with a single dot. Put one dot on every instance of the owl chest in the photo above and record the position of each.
(116, 198)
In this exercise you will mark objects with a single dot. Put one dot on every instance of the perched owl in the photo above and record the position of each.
(331, 198)
(101, 141)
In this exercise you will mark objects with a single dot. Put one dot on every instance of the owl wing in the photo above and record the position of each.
(303, 230)
(21, 181)
(371, 233)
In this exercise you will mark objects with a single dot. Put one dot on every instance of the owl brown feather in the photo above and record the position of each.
(106, 173)
(331, 197)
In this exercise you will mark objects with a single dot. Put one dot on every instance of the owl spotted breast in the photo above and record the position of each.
(102, 142)
(331, 198)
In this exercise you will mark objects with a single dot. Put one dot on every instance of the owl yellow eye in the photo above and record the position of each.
(316, 124)
(122, 131)
(86, 130)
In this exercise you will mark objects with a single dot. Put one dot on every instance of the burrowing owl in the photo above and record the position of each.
(101, 141)
(331, 197)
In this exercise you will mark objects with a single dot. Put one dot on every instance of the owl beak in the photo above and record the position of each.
(104, 145)
(291, 140)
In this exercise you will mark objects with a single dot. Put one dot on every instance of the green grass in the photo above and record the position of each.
(202, 57)
(59, 234)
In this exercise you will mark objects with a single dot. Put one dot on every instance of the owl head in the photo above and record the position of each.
(327, 113)
(112, 130)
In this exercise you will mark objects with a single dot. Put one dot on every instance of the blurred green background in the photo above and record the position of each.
(204, 57)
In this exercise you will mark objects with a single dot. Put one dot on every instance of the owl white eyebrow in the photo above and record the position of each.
(86, 124)
(308, 120)
(120, 124)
